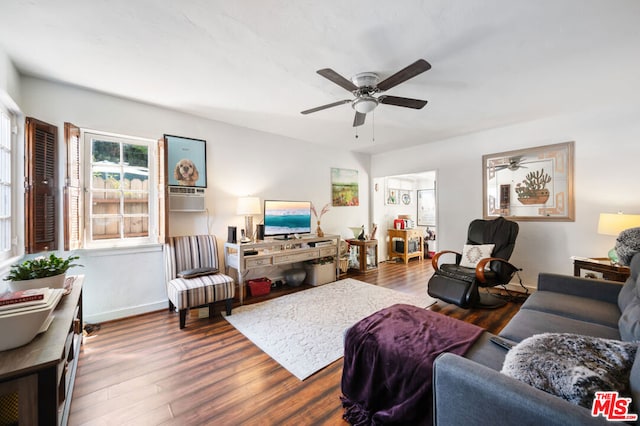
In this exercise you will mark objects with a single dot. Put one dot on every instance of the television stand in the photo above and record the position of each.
(277, 252)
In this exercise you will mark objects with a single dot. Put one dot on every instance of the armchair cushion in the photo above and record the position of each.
(199, 291)
(458, 272)
(629, 322)
(571, 366)
(629, 302)
(473, 253)
(576, 307)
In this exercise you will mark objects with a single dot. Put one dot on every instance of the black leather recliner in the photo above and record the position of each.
(459, 285)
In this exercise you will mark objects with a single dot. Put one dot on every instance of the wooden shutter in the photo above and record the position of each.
(73, 194)
(40, 186)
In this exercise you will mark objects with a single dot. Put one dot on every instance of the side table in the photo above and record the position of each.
(600, 267)
(367, 254)
(412, 244)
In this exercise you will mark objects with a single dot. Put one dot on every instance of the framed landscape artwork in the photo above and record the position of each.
(344, 187)
(533, 184)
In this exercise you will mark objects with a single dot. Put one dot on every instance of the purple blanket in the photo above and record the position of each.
(388, 360)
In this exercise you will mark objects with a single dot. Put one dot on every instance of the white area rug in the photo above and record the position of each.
(304, 331)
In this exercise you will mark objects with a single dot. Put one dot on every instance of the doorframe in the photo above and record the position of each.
(383, 214)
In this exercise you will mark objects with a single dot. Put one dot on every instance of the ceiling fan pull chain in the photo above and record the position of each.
(373, 126)
(356, 132)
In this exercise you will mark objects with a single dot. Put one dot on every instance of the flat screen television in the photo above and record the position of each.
(186, 161)
(284, 218)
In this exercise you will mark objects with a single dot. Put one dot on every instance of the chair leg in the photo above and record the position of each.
(172, 308)
(210, 310)
(228, 304)
(183, 318)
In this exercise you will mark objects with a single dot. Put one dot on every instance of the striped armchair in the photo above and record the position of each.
(195, 254)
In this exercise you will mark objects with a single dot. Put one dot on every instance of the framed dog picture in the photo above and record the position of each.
(186, 161)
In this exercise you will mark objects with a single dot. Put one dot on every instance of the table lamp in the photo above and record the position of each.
(614, 224)
(248, 206)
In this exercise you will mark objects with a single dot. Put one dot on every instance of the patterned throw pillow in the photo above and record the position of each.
(627, 244)
(572, 366)
(197, 272)
(473, 253)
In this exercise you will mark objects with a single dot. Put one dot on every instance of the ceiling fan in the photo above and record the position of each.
(365, 85)
(514, 164)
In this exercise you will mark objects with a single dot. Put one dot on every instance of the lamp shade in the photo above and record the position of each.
(365, 104)
(615, 223)
(248, 206)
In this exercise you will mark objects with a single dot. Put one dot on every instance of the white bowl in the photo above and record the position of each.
(19, 326)
(56, 281)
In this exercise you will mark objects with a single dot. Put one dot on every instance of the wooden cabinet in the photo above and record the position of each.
(405, 244)
(36, 380)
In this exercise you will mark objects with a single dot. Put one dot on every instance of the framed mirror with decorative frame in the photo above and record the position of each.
(532, 184)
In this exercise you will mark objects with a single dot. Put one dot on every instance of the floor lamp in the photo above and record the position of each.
(247, 207)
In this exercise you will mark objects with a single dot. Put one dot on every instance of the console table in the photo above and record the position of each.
(405, 235)
(246, 256)
(39, 376)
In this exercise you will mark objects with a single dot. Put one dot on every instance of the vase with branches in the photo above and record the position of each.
(325, 209)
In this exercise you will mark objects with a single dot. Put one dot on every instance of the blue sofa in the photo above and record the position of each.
(470, 390)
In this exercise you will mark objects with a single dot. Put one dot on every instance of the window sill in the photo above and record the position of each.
(119, 251)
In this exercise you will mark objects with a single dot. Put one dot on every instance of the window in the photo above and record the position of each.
(6, 234)
(119, 182)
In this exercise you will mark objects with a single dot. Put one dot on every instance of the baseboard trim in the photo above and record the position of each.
(127, 312)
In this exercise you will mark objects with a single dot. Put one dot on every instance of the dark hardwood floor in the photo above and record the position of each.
(144, 370)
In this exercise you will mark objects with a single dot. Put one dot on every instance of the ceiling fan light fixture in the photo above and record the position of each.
(365, 104)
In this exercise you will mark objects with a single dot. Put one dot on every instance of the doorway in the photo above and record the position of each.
(411, 196)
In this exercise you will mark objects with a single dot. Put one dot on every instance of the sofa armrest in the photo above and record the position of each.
(607, 291)
(468, 393)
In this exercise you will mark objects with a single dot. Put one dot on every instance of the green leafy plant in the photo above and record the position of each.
(40, 267)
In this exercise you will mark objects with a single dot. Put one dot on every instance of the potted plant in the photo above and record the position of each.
(533, 189)
(40, 272)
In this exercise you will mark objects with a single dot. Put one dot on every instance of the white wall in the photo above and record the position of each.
(239, 162)
(9, 82)
(607, 151)
(246, 162)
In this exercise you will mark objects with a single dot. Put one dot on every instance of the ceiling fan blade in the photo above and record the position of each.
(403, 102)
(358, 120)
(330, 74)
(418, 67)
(320, 108)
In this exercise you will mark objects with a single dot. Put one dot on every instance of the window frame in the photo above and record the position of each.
(87, 136)
(9, 167)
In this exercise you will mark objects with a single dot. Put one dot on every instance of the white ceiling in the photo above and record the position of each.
(253, 63)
